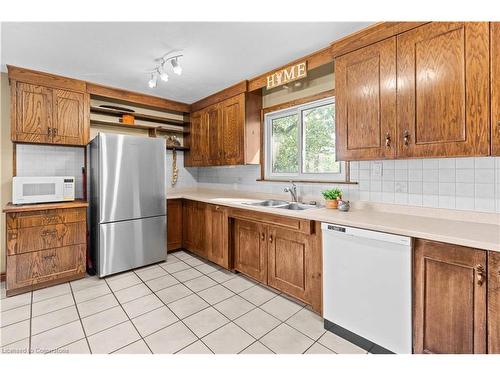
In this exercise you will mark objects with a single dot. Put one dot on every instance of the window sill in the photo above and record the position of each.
(310, 181)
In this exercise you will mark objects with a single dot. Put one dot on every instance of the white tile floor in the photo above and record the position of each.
(184, 305)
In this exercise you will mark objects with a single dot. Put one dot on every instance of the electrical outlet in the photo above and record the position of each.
(377, 169)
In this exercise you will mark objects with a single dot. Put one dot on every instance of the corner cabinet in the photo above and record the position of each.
(422, 93)
(495, 87)
(226, 133)
(46, 114)
(450, 291)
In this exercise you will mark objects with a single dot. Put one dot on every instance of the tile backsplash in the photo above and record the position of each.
(453, 183)
(40, 160)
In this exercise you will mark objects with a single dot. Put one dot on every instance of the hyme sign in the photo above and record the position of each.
(288, 74)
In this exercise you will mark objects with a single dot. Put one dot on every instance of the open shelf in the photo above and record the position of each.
(138, 116)
(138, 126)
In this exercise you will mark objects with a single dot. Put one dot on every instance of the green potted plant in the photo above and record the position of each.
(332, 197)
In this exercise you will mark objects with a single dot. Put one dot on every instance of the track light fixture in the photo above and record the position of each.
(161, 70)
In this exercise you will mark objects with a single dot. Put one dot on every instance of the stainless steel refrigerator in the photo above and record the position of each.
(127, 191)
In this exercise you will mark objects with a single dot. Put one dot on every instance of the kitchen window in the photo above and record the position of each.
(300, 143)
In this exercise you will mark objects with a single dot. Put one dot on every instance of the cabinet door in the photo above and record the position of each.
(217, 235)
(495, 87)
(493, 302)
(214, 135)
(449, 299)
(193, 217)
(288, 255)
(70, 127)
(33, 120)
(443, 90)
(174, 224)
(198, 137)
(250, 249)
(366, 102)
(233, 128)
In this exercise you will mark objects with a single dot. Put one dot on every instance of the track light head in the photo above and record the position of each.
(153, 81)
(176, 66)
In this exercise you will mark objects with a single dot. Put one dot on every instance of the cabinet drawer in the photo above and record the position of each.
(37, 267)
(300, 225)
(29, 239)
(46, 217)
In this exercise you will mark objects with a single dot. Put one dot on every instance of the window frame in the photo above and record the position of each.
(298, 110)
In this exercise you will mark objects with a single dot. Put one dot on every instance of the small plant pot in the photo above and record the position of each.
(331, 203)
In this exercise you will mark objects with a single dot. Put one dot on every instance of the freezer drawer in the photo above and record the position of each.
(130, 244)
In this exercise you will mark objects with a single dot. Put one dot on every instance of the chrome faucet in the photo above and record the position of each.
(292, 189)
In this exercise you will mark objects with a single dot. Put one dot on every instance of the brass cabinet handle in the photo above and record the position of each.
(387, 140)
(406, 138)
(49, 131)
(271, 238)
(480, 274)
(45, 257)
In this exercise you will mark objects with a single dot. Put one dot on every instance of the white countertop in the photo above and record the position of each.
(473, 229)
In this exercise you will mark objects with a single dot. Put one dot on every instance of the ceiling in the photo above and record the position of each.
(119, 54)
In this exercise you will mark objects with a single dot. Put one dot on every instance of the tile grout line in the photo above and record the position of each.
(80, 319)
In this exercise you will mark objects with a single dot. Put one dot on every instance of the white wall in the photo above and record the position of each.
(453, 183)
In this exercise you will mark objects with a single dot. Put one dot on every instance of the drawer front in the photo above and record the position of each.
(47, 217)
(300, 225)
(37, 267)
(47, 237)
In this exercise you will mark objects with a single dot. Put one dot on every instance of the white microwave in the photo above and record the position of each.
(27, 190)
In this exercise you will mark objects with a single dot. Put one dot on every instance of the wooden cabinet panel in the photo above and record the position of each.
(217, 235)
(45, 237)
(442, 90)
(32, 119)
(495, 87)
(69, 118)
(300, 225)
(193, 218)
(288, 255)
(174, 224)
(449, 299)
(45, 217)
(197, 139)
(493, 302)
(233, 130)
(250, 249)
(214, 135)
(366, 102)
(33, 268)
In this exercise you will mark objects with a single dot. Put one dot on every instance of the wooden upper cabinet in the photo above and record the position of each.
(233, 130)
(197, 139)
(70, 116)
(450, 285)
(495, 87)
(443, 90)
(494, 302)
(214, 135)
(366, 102)
(31, 117)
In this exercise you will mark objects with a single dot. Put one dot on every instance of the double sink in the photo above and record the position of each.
(284, 205)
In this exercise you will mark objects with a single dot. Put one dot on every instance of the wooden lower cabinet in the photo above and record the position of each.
(174, 224)
(193, 231)
(450, 291)
(44, 247)
(250, 249)
(217, 235)
(493, 302)
(288, 255)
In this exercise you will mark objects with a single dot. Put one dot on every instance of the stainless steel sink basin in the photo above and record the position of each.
(269, 203)
(296, 206)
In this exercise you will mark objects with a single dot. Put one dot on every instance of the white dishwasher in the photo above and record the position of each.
(367, 286)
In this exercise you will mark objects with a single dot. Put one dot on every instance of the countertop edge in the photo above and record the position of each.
(12, 208)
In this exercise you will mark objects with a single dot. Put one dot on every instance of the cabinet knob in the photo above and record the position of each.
(271, 238)
(49, 131)
(387, 140)
(406, 138)
(480, 274)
